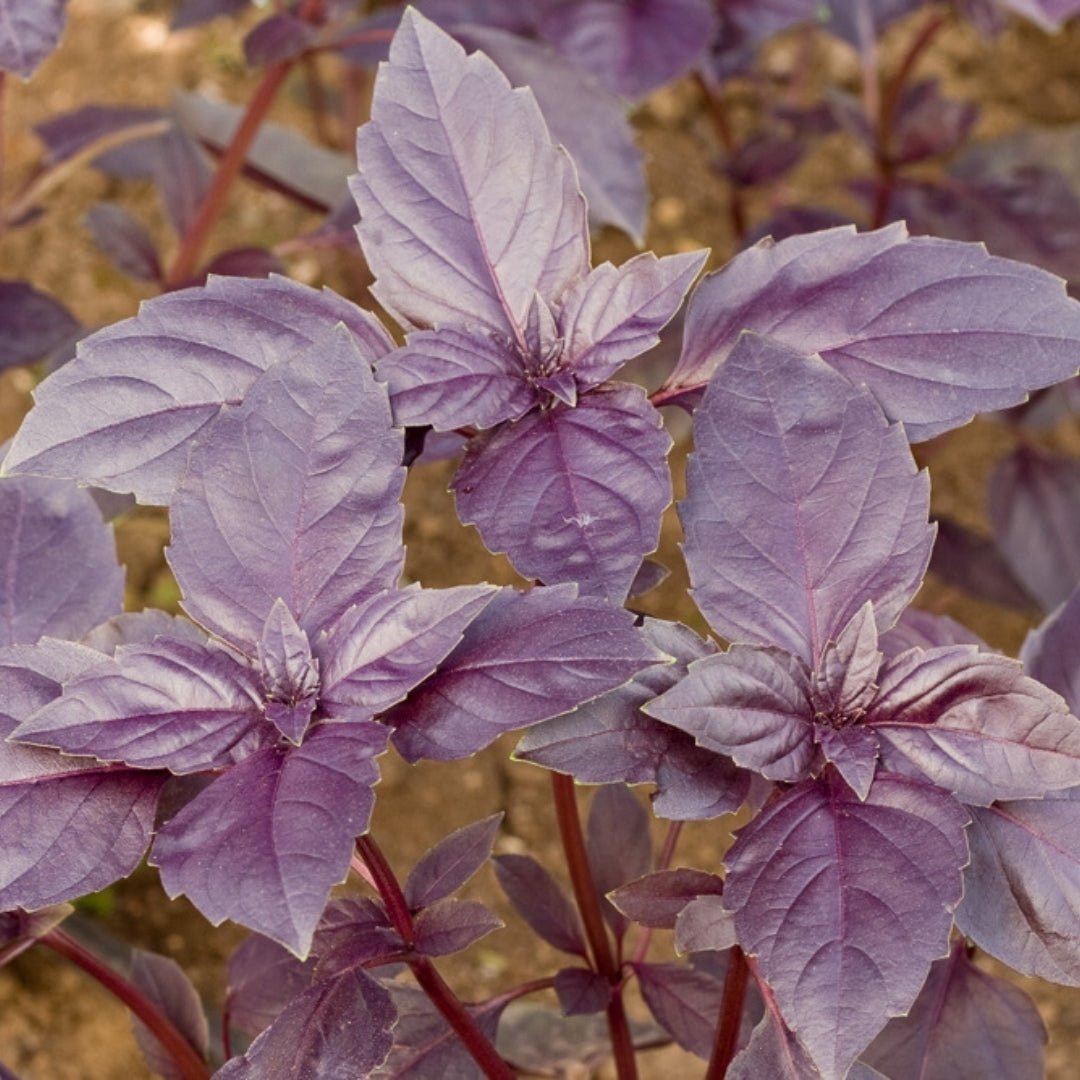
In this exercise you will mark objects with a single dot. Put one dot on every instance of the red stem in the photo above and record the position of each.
(731, 1010)
(189, 1063)
(442, 997)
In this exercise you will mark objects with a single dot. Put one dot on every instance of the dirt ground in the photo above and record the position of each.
(54, 1023)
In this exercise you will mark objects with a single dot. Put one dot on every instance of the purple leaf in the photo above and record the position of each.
(29, 31)
(1033, 500)
(354, 931)
(264, 843)
(525, 658)
(842, 957)
(192, 12)
(122, 415)
(177, 705)
(290, 674)
(925, 630)
(380, 649)
(60, 576)
(937, 329)
(451, 862)
(974, 563)
(1050, 653)
(125, 240)
(279, 37)
(656, 899)
(572, 494)
(294, 494)
(964, 1023)
(19, 929)
(263, 978)
(685, 1002)
(32, 323)
(705, 925)
(618, 845)
(581, 991)
(343, 1024)
(141, 628)
(448, 926)
(255, 262)
(972, 723)
(854, 750)
(632, 48)
(582, 116)
(775, 1052)
(183, 173)
(803, 503)
(540, 901)
(1022, 888)
(616, 313)
(163, 982)
(452, 231)
(928, 124)
(65, 135)
(751, 704)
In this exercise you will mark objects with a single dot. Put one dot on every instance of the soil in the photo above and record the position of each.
(55, 1024)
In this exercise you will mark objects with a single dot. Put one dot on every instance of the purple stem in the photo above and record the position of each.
(731, 1010)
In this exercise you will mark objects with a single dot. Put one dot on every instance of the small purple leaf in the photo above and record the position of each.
(32, 323)
(263, 978)
(122, 414)
(705, 925)
(540, 901)
(841, 958)
(264, 843)
(353, 931)
(1050, 652)
(618, 845)
(451, 862)
(125, 240)
(294, 494)
(581, 991)
(685, 1002)
(933, 327)
(290, 674)
(163, 982)
(803, 503)
(854, 750)
(279, 37)
(29, 31)
(925, 630)
(448, 926)
(656, 899)
(467, 208)
(525, 658)
(572, 494)
(192, 12)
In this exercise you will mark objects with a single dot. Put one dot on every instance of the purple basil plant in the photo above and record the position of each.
(909, 792)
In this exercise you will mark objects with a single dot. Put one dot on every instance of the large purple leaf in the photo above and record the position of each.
(163, 982)
(1022, 888)
(379, 650)
(632, 48)
(540, 901)
(122, 415)
(846, 903)
(467, 207)
(937, 329)
(751, 704)
(58, 558)
(29, 31)
(1033, 501)
(685, 1002)
(451, 862)
(264, 843)
(964, 1023)
(803, 503)
(573, 494)
(32, 323)
(263, 978)
(294, 495)
(972, 723)
(177, 705)
(526, 658)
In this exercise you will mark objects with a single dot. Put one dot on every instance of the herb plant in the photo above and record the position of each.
(909, 793)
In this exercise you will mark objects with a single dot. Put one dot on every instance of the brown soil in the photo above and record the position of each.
(57, 1025)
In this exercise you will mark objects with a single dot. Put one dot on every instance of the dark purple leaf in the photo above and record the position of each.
(32, 323)
(540, 901)
(525, 658)
(380, 649)
(937, 329)
(124, 239)
(183, 174)
(705, 925)
(163, 982)
(656, 899)
(29, 31)
(775, 1052)
(632, 48)
(650, 574)
(253, 262)
(343, 1024)
(65, 135)
(19, 929)
(845, 904)
(751, 704)
(353, 931)
(178, 705)
(618, 844)
(452, 232)
(581, 115)
(123, 414)
(448, 926)
(294, 494)
(58, 558)
(1022, 888)
(264, 843)
(762, 159)
(974, 563)
(927, 124)
(581, 991)
(192, 12)
(451, 862)
(263, 978)
(925, 630)
(572, 494)
(1050, 652)
(685, 1002)
(964, 1023)
(1033, 500)
(803, 502)
(972, 723)
(278, 37)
